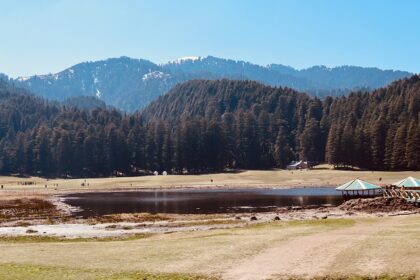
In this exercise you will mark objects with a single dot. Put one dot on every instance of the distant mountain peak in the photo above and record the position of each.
(130, 84)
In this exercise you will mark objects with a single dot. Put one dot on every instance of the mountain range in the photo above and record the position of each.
(131, 84)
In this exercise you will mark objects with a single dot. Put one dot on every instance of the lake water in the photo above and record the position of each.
(200, 201)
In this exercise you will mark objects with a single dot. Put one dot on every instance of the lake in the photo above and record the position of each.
(200, 201)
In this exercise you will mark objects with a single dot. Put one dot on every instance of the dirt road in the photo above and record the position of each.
(275, 250)
(321, 254)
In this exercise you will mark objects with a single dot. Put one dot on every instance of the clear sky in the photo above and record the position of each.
(42, 36)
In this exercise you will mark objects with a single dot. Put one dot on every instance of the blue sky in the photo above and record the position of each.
(42, 36)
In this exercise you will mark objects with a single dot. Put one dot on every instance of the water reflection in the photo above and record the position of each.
(200, 201)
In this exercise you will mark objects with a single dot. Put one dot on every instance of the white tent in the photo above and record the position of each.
(357, 185)
(409, 182)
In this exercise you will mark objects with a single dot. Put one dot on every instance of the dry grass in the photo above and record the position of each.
(377, 247)
(26, 208)
(213, 253)
(322, 176)
(391, 248)
(37, 272)
(207, 252)
(209, 222)
(363, 277)
(130, 218)
(43, 239)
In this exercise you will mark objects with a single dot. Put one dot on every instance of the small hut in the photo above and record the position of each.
(359, 188)
(294, 165)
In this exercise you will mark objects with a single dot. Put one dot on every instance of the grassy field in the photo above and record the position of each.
(382, 247)
(36, 272)
(322, 176)
(387, 247)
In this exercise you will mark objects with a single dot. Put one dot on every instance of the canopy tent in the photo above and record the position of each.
(409, 182)
(357, 185)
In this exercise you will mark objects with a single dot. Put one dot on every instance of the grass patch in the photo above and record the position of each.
(328, 223)
(130, 218)
(36, 272)
(41, 239)
(361, 277)
(331, 223)
(210, 223)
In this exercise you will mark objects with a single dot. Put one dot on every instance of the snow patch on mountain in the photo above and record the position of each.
(187, 59)
(22, 79)
(130, 84)
(154, 75)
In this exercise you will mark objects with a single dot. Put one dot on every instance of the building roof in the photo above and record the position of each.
(296, 163)
(408, 182)
(357, 185)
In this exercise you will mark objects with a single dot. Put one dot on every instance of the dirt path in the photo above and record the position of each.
(306, 256)
(365, 246)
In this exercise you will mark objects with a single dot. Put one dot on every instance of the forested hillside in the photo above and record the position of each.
(206, 126)
(131, 84)
(256, 126)
(84, 102)
(380, 130)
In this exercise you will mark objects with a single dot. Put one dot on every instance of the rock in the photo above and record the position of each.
(324, 217)
(253, 218)
(277, 218)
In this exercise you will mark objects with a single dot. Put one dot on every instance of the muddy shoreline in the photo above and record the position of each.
(63, 191)
(58, 219)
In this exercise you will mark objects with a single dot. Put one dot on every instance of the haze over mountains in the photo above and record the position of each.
(130, 84)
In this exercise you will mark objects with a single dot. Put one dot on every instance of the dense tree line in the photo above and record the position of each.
(378, 130)
(257, 126)
(85, 102)
(206, 126)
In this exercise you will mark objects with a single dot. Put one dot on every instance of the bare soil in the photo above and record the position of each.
(50, 217)
(27, 209)
(379, 205)
(130, 218)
